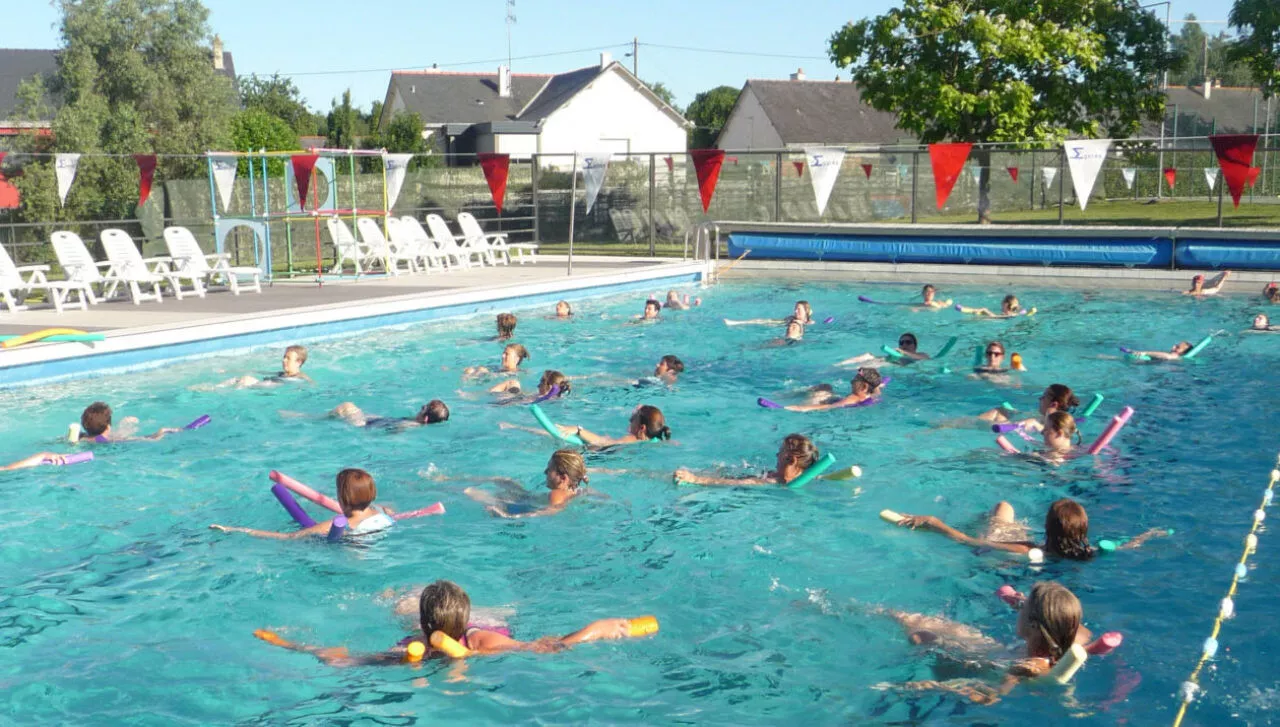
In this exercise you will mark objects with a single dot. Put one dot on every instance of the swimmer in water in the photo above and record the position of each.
(929, 301)
(356, 493)
(446, 608)
(512, 356)
(506, 326)
(651, 310)
(793, 334)
(1199, 289)
(1057, 397)
(668, 369)
(1173, 354)
(674, 303)
(906, 353)
(563, 310)
(993, 360)
(1009, 308)
(566, 478)
(433, 412)
(1262, 323)
(1058, 431)
(1271, 292)
(551, 380)
(95, 426)
(796, 454)
(803, 313)
(647, 424)
(290, 370)
(863, 389)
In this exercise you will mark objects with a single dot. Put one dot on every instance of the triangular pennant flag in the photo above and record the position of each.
(496, 167)
(1050, 173)
(799, 168)
(303, 165)
(1235, 156)
(396, 166)
(824, 168)
(593, 168)
(1129, 174)
(146, 173)
(947, 161)
(1013, 173)
(671, 164)
(64, 168)
(1170, 176)
(866, 170)
(706, 165)
(1253, 175)
(1211, 177)
(224, 178)
(1085, 158)
(975, 171)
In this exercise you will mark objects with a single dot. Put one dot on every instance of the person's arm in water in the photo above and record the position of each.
(510, 386)
(319, 529)
(842, 403)
(36, 460)
(1137, 541)
(596, 440)
(930, 522)
(975, 311)
(684, 475)
(1157, 355)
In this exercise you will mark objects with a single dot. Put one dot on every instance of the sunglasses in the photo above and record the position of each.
(994, 352)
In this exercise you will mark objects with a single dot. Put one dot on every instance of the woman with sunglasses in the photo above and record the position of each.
(905, 354)
(992, 360)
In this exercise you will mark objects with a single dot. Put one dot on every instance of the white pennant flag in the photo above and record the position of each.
(824, 166)
(64, 168)
(593, 169)
(397, 165)
(1211, 177)
(1085, 157)
(1049, 174)
(1129, 173)
(224, 177)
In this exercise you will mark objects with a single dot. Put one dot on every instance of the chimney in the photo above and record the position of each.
(217, 54)
(504, 82)
(798, 75)
(605, 59)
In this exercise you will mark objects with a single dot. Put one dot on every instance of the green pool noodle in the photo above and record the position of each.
(552, 429)
(946, 348)
(822, 465)
(1093, 405)
(1196, 349)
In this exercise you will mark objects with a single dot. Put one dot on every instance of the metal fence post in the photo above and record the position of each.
(534, 184)
(777, 187)
(915, 182)
(1062, 180)
(1033, 181)
(1222, 183)
(653, 183)
(573, 196)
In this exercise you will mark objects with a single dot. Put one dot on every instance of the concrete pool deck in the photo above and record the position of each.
(153, 333)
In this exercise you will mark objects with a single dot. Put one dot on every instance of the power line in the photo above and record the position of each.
(459, 63)
(720, 51)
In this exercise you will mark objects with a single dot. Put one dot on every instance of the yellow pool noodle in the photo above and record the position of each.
(643, 626)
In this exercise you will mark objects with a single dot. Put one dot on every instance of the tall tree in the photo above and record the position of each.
(661, 91)
(254, 129)
(403, 135)
(344, 125)
(709, 112)
(1191, 43)
(1009, 70)
(1259, 46)
(278, 96)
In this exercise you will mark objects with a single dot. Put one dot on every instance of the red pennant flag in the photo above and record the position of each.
(1013, 172)
(146, 172)
(496, 167)
(799, 168)
(9, 198)
(706, 164)
(1253, 175)
(1235, 156)
(671, 164)
(1170, 174)
(947, 161)
(866, 169)
(303, 166)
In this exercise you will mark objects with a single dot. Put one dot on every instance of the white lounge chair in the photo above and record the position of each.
(471, 230)
(349, 248)
(189, 258)
(415, 230)
(15, 289)
(80, 267)
(415, 241)
(392, 254)
(449, 244)
(131, 269)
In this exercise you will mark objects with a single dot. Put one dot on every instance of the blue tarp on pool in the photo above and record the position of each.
(1127, 252)
(1228, 254)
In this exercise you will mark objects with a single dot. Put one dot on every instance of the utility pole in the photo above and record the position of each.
(635, 57)
(511, 20)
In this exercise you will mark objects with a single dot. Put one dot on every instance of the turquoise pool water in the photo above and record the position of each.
(120, 605)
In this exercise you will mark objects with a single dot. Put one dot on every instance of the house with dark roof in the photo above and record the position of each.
(598, 108)
(1219, 110)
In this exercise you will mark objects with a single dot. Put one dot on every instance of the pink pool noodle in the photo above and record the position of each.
(304, 491)
(436, 509)
(1105, 644)
(1117, 423)
(1010, 596)
(74, 458)
(1004, 444)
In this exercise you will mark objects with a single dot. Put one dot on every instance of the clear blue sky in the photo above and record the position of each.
(347, 36)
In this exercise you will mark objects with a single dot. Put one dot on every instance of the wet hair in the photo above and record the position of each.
(1062, 422)
(434, 412)
(356, 489)
(793, 321)
(868, 376)
(1198, 278)
(800, 450)
(910, 338)
(569, 463)
(1055, 612)
(1262, 318)
(1185, 346)
(299, 351)
(445, 607)
(565, 303)
(551, 379)
(928, 288)
(673, 363)
(653, 423)
(808, 309)
(506, 325)
(1062, 396)
(1273, 294)
(1009, 301)
(673, 295)
(96, 418)
(1066, 530)
(519, 350)
(657, 305)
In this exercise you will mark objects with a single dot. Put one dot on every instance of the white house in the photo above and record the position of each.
(598, 108)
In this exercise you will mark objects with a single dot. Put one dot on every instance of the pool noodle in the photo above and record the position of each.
(1196, 349)
(63, 338)
(291, 506)
(436, 509)
(978, 360)
(1006, 427)
(1069, 664)
(301, 489)
(551, 428)
(890, 516)
(1105, 644)
(552, 393)
(768, 404)
(822, 465)
(414, 652)
(440, 641)
(865, 299)
(34, 336)
(1117, 422)
(946, 348)
(1093, 406)
(74, 458)
(891, 352)
(1005, 445)
(337, 528)
(73, 432)
(200, 421)
(1009, 595)
(642, 626)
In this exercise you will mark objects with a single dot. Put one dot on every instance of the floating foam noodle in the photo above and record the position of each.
(199, 422)
(73, 458)
(1068, 665)
(552, 429)
(822, 465)
(551, 394)
(73, 432)
(442, 642)
(337, 528)
(414, 652)
(436, 509)
(1196, 349)
(1092, 407)
(946, 348)
(300, 489)
(291, 506)
(1117, 423)
(642, 626)
(768, 403)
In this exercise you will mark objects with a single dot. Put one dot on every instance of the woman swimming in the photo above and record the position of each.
(993, 360)
(512, 356)
(862, 390)
(552, 385)
(803, 313)
(356, 493)
(794, 333)
(1175, 353)
(1009, 308)
(906, 353)
(566, 478)
(929, 301)
(433, 412)
(647, 424)
(1262, 324)
(1057, 397)
(1200, 289)
(795, 455)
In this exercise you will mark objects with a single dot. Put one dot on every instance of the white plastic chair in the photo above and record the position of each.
(131, 269)
(471, 230)
(15, 289)
(392, 254)
(449, 244)
(79, 265)
(189, 258)
(421, 246)
(349, 248)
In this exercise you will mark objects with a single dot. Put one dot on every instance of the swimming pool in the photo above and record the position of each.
(119, 605)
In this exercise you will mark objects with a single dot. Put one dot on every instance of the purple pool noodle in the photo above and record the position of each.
(101, 439)
(768, 404)
(74, 458)
(885, 381)
(203, 420)
(291, 506)
(1005, 428)
(553, 393)
(959, 307)
(828, 319)
(865, 299)
(336, 530)
(1125, 350)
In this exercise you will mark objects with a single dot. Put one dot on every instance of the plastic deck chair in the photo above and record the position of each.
(189, 258)
(471, 229)
(449, 244)
(415, 241)
(79, 266)
(15, 289)
(131, 269)
(349, 248)
(392, 254)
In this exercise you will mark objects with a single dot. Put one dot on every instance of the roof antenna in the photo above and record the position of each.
(511, 20)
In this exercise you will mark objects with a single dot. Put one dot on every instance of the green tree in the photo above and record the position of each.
(709, 112)
(403, 135)
(1009, 70)
(661, 91)
(1190, 43)
(278, 96)
(344, 127)
(255, 129)
(1259, 45)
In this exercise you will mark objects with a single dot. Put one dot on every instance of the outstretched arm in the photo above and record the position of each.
(320, 529)
(35, 460)
(930, 522)
(684, 475)
(1137, 541)
(333, 656)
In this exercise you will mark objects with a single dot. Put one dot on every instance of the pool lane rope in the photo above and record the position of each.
(1226, 609)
